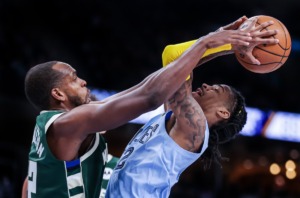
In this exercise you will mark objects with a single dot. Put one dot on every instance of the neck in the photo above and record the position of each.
(170, 123)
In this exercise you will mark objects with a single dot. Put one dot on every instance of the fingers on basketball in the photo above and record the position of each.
(271, 56)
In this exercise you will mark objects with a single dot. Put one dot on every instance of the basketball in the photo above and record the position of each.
(271, 57)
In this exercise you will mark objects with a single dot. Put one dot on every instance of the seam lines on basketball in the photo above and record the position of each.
(286, 48)
(282, 57)
(277, 64)
(285, 36)
(272, 52)
(277, 53)
(269, 63)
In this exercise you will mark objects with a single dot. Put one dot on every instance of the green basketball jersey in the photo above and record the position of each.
(112, 161)
(49, 177)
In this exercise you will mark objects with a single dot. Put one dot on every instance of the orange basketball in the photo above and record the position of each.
(271, 57)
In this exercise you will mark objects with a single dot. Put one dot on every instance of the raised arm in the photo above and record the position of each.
(172, 52)
(158, 87)
(75, 125)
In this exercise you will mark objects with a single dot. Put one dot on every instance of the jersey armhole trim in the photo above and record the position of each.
(50, 121)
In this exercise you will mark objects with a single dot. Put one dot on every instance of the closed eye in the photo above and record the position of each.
(74, 76)
(220, 88)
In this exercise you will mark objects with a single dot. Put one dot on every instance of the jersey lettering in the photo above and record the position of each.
(148, 133)
(37, 141)
(133, 139)
(102, 193)
(40, 150)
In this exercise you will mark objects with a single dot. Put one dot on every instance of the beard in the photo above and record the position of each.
(77, 101)
(93, 97)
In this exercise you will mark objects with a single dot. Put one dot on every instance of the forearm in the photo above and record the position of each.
(128, 90)
(213, 56)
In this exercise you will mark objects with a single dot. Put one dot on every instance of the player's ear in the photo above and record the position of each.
(57, 94)
(223, 113)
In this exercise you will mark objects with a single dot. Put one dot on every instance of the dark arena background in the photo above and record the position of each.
(115, 44)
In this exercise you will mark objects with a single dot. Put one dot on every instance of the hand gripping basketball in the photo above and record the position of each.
(270, 56)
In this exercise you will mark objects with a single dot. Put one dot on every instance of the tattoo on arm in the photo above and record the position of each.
(190, 115)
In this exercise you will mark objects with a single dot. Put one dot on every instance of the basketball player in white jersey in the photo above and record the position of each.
(194, 124)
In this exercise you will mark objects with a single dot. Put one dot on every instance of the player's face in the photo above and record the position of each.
(212, 96)
(74, 87)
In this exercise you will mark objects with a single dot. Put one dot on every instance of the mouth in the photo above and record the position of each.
(200, 92)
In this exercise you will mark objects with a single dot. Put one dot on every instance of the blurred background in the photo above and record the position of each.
(114, 45)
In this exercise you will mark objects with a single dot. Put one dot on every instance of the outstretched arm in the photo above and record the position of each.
(155, 90)
(74, 125)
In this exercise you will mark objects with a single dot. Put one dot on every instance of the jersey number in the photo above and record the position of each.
(123, 159)
(32, 178)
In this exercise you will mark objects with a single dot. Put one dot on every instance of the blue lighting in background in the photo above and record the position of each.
(269, 124)
(296, 45)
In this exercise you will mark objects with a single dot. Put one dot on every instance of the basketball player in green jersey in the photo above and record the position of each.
(112, 161)
(109, 167)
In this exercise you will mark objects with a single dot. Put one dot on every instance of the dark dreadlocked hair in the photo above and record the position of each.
(225, 131)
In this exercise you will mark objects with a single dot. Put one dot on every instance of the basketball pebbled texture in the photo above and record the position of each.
(271, 57)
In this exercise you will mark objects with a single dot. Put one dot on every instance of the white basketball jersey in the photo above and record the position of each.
(151, 163)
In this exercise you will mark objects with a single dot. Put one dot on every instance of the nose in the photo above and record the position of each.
(83, 83)
(206, 87)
